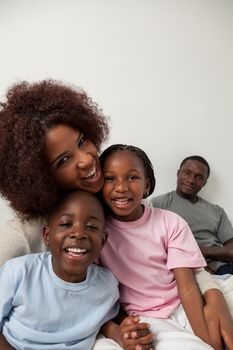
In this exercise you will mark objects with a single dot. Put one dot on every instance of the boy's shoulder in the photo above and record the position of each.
(104, 283)
(104, 273)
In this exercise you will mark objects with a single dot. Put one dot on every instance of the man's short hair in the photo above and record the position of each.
(199, 159)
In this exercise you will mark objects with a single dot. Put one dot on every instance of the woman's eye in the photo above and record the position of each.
(82, 140)
(62, 161)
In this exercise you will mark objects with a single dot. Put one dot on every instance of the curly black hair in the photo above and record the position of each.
(149, 171)
(29, 111)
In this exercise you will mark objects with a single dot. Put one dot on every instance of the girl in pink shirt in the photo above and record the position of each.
(152, 252)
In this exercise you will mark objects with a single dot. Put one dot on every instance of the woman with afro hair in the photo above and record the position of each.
(35, 118)
(50, 138)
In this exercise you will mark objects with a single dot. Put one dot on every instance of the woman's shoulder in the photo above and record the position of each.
(19, 237)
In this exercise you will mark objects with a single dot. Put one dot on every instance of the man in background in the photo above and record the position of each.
(209, 222)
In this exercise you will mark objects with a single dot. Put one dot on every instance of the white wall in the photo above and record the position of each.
(161, 69)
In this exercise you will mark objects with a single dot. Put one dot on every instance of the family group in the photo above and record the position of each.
(89, 262)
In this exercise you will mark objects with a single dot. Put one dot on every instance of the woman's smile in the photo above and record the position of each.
(73, 159)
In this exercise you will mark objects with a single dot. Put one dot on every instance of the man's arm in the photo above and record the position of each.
(219, 253)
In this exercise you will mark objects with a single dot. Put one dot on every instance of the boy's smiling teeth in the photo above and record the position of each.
(76, 250)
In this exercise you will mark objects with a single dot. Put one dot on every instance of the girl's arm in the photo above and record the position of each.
(4, 345)
(219, 320)
(217, 314)
(192, 301)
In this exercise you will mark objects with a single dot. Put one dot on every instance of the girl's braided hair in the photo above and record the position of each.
(149, 171)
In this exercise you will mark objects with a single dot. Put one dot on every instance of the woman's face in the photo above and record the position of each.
(73, 159)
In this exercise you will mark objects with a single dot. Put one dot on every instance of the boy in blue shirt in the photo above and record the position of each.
(60, 299)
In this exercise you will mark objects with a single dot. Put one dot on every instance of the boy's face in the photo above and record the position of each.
(124, 185)
(75, 235)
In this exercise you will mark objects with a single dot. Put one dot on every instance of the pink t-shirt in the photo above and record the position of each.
(142, 253)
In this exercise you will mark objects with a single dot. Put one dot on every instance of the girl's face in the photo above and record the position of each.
(75, 235)
(73, 160)
(124, 185)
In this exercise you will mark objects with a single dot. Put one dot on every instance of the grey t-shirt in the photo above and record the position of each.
(208, 222)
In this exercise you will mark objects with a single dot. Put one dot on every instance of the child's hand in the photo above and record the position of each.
(136, 335)
(219, 320)
(4, 345)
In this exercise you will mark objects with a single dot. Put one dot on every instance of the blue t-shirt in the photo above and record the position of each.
(40, 311)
